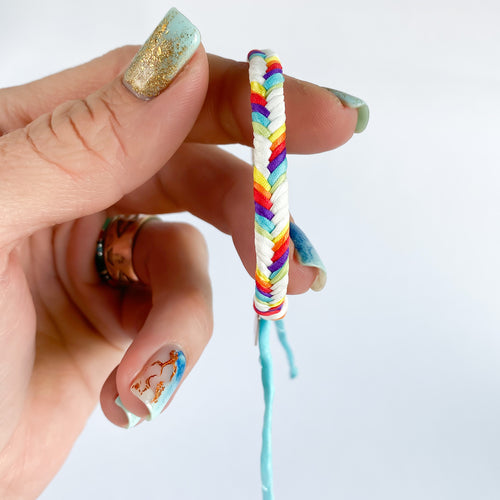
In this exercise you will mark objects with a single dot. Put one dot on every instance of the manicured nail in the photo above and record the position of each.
(165, 52)
(159, 378)
(354, 103)
(133, 419)
(308, 256)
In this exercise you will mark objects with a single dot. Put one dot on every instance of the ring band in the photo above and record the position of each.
(115, 247)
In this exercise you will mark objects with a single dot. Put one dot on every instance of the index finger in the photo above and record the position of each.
(318, 119)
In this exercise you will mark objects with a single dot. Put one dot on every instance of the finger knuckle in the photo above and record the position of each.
(81, 138)
(74, 137)
(188, 238)
(95, 128)
(190, 235)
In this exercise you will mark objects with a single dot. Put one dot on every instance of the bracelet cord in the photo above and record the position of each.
(272, 219)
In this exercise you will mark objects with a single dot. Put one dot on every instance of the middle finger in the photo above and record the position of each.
(316, 119)
(217, 187)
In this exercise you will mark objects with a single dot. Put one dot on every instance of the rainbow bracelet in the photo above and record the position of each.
(272, 219)
(272, 227)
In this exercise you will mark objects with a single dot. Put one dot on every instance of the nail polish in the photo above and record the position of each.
(160, 59)
(133, 419)
(354, 103)
(159, 378)
(307, 256)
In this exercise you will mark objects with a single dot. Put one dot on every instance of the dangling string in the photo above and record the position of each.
(280, 327)
(266, 457)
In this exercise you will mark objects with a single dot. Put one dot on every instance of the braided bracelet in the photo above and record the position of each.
(272, 226)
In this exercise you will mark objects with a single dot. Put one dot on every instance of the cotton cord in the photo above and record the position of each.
(272, 228)
(272, 216)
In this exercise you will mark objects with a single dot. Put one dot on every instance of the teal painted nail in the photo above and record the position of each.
(354, 103)
(160, 59)
(133, 419)
(159, 378)
(308, 256)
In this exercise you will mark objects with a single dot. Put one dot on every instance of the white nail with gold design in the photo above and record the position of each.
(159, 378)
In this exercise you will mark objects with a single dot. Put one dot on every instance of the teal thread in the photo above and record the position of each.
(266, 461)
(280, 327)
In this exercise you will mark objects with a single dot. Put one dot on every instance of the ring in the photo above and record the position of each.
(115, 246)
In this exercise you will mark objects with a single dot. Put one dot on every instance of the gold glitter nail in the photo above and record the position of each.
(160, 59)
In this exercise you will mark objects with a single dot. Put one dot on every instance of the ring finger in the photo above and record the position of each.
(172, 260)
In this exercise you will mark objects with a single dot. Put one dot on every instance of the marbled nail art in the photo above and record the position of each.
(159, 378)
(165, 52)
(308, 256)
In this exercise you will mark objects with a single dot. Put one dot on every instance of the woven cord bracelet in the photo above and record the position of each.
(272, 227)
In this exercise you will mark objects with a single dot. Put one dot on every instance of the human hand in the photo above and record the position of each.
(77, 147)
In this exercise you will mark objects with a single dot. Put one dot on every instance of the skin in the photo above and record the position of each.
(75, 148)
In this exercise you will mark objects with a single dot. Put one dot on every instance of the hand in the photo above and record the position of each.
(77, 147)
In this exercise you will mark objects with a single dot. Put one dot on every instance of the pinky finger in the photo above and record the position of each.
(172, 260)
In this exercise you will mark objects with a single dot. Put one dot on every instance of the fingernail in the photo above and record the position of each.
(308, 256)
(165, 52)
(354, 103)
(159, 378)
(133, 419)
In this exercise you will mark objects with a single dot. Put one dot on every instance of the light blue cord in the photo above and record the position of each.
(266, 461)
(280, 327)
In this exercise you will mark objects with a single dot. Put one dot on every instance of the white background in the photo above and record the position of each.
(399, 389)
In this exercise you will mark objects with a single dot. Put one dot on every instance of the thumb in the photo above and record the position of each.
(22, 104)
(86, 154)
